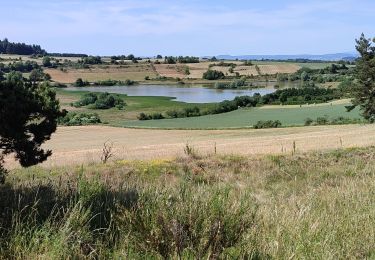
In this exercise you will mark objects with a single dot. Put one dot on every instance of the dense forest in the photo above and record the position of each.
(8, 47)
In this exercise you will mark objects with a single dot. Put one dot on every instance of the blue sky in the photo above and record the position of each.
(189, 27)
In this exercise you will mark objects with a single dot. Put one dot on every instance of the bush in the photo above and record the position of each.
(213, 75)
(191, 111)
(173, 113)
(322, 120)
(80, 83)
(86, 99)
(143, 116)
(334, 121)
(156, 116)
(101, 101)
(223, 107)
(267, 124)
(238, 83)
(187, 59)
(91, 60)
(73, 118)
(308, 121)
(110, 82)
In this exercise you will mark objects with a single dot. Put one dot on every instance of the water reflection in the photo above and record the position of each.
(191, 94)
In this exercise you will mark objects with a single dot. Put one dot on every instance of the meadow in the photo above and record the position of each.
(289, 115)
(298, 205)
(134, 106)
(247, 117)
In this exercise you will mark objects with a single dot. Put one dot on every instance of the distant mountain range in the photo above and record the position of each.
(347, 56)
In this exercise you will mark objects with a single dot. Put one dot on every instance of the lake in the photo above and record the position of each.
(190, 94)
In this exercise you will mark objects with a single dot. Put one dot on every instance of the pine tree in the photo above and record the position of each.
(28, 116)
(363, 90)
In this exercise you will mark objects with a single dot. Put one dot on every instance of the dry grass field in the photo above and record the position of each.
(139, 71)
(197, 69)
(84, 144)
(13, 57)
(170, 70)
(96, 73)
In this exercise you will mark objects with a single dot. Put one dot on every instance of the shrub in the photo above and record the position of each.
(322, 120)
(73, 118)
(213, 75)
(129, 82)
(86, 99)
(143, 116)
(101, 101)
(91, 60)
(267, 124)
(156, 116)
(191, 111)
(172, 113)
(187, 59)
(80, 83)
(223, 107)
(308, 121)
(334, 121)
(233, 85)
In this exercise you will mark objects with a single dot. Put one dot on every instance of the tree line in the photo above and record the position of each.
(7, 47)
(291, 96)
(180, 59)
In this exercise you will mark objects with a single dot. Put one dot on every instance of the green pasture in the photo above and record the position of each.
(134, 106)
(243, 118)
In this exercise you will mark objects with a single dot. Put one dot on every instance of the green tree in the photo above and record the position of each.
(36, 75)
(213, 74)
(364, 89)
(47, 61)
(304, 76)
(28, 117)
(80, 83)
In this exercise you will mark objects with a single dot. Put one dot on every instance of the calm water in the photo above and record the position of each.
(196, 94)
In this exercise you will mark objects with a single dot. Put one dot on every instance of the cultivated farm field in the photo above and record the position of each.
(136, 72)
(266, 68)
(83, 144)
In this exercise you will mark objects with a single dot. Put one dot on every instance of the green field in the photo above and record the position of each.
(134, 106)
(242, 118)
(289, 116)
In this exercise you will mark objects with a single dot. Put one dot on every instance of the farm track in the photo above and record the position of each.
(83, 144)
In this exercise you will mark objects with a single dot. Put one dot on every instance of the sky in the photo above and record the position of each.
(188, 27)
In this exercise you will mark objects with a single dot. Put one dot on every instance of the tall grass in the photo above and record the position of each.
(315, 205)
